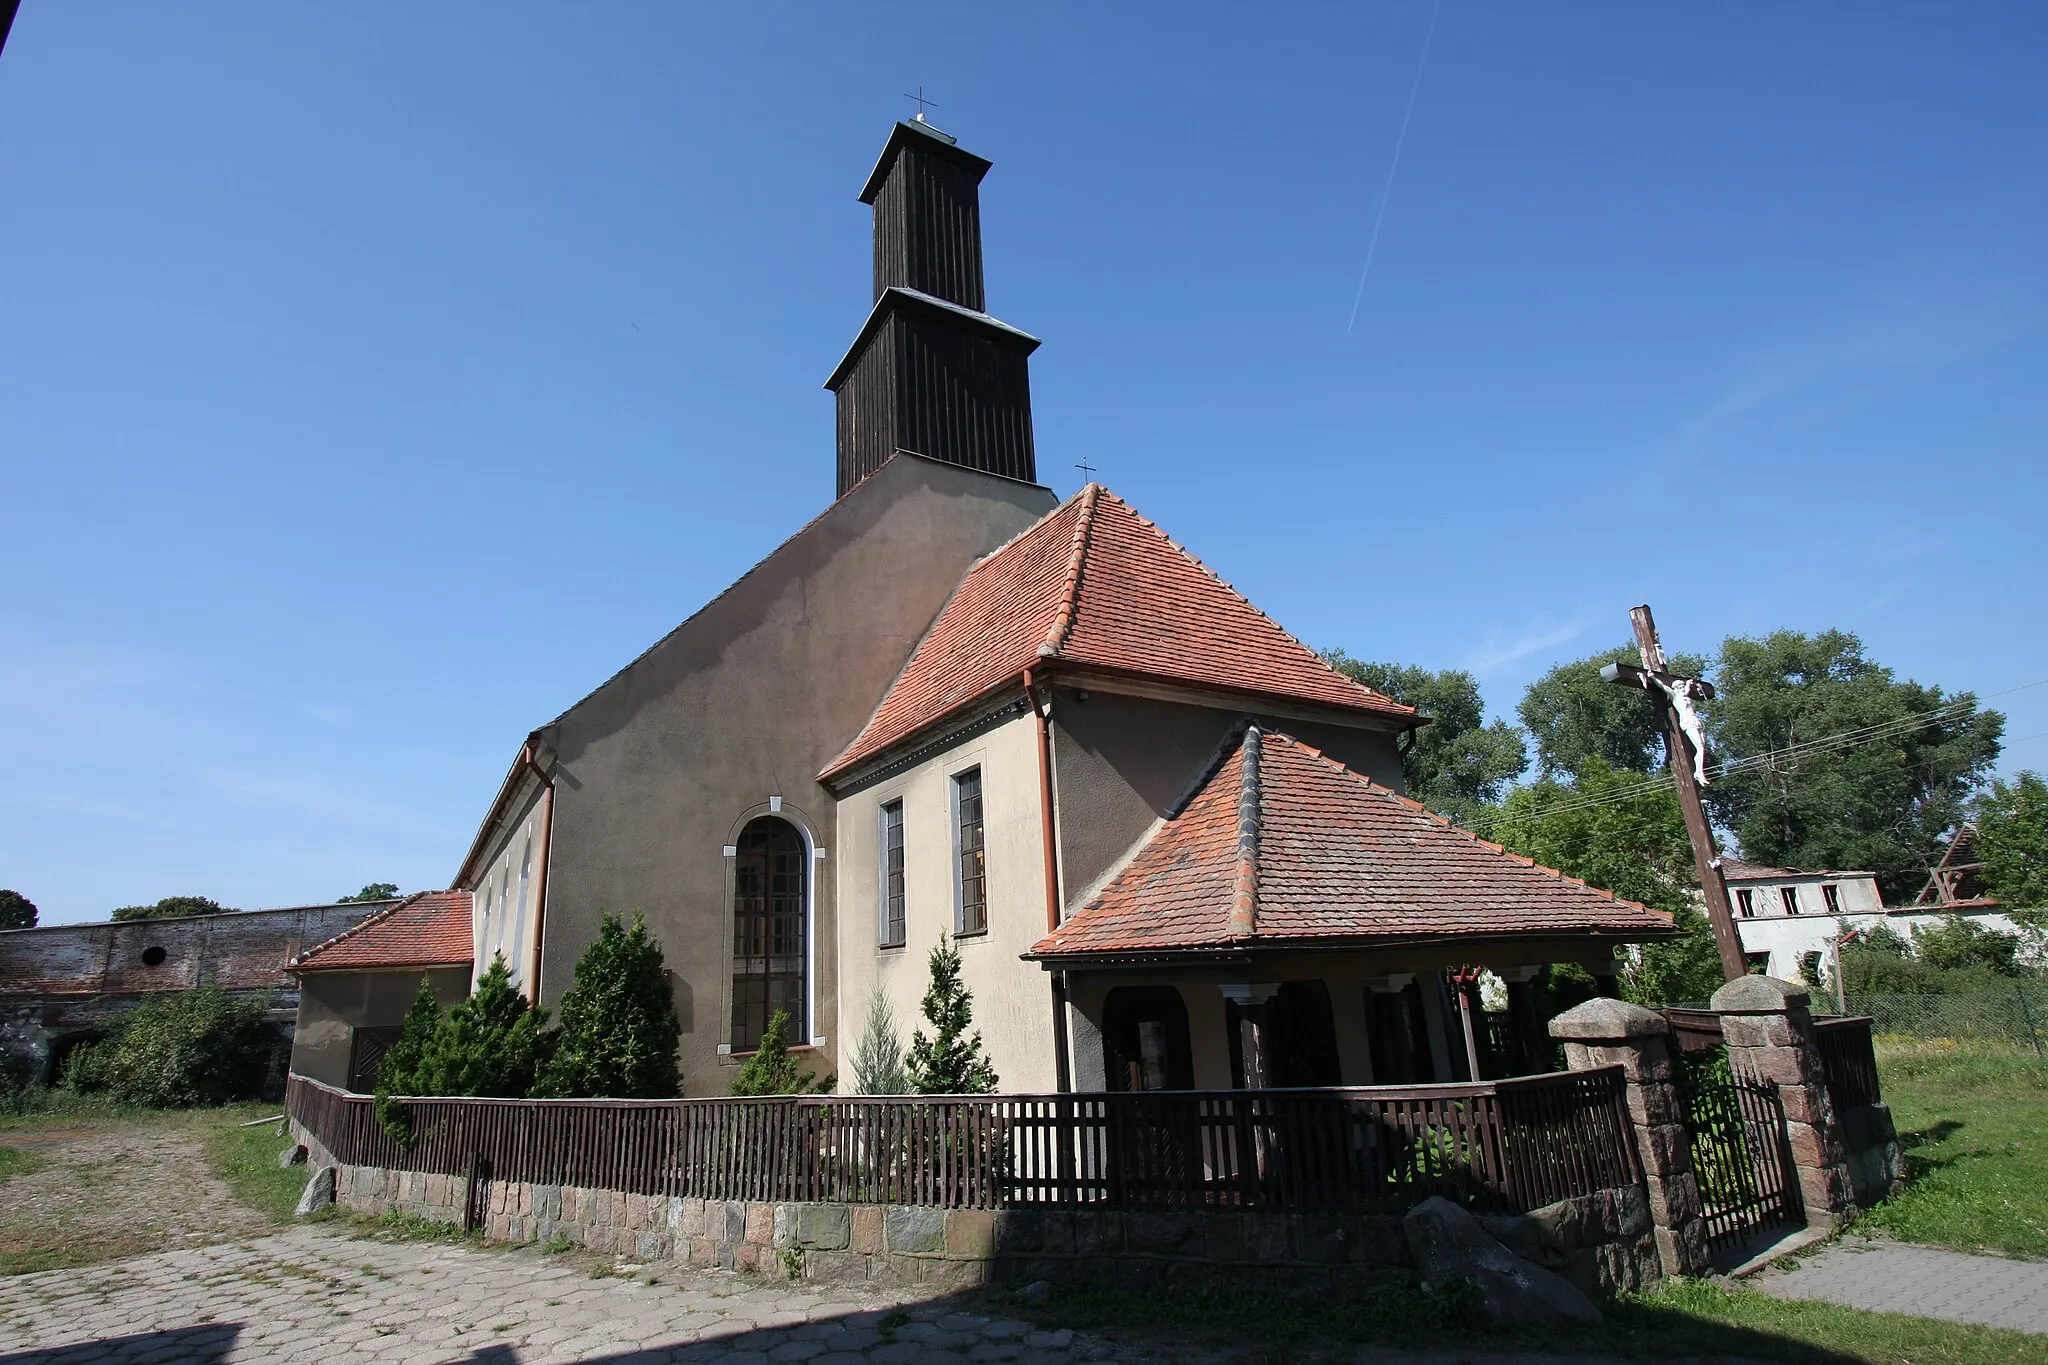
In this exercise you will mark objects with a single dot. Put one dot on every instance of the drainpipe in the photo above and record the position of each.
(547, 839)
(1042, 709)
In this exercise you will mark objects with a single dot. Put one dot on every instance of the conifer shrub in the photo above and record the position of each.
(772, 1071)
(617, 1025)
(179, 1049)
(490, 1043)
(399, 1072)
(950, 1061)
(878, 1057)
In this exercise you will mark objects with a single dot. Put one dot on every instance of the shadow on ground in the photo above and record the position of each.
(205, 1344)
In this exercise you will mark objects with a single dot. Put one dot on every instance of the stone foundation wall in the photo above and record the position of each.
(1601, 1241)
(1877, 1162)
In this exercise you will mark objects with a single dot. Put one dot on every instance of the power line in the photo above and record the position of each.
(1400, 141)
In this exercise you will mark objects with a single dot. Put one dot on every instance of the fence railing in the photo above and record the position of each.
(1850, 1060)
(1501, 1146)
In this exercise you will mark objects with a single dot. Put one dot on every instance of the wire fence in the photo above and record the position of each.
(2018, 1014)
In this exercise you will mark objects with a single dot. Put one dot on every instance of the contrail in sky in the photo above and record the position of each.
(1399, 142)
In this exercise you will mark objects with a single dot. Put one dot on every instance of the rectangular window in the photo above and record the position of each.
(970, 882)
(1745, 901)
(1791, 898)
(1832, 896)
(892, 875)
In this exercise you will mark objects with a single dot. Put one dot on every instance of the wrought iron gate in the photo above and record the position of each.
(1739, 1152)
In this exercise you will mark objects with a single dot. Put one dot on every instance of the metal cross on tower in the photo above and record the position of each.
(1686, 747)
(1087, 470)
(921, 103)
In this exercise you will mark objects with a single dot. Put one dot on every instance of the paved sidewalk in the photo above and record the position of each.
(313, 1297)
(1894, 1277)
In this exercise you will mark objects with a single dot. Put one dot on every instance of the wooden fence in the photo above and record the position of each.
(1503, 1146)
(1851, 1062)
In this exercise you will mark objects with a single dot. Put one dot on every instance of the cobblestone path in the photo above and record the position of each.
(1893, 1277)
(310, 1296)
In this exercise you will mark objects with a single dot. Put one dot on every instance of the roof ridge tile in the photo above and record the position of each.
(1063, 622)
(1244, 898)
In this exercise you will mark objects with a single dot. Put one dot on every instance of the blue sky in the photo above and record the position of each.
(375, 381)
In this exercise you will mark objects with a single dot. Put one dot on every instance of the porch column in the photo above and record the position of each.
(1527, 1028)
(1770, 1035)
(1611, 1033)
(1393, 1040)
(1605, 974)
(1251, 1000)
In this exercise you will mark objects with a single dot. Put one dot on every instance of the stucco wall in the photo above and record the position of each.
(332, 1005)
(745, 701)
(507, 921)
(1122, 762)
(1789, 938)
(1012, 998)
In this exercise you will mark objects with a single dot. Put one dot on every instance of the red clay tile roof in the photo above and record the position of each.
(1095, 585)
(426, 929)
(1284, 845)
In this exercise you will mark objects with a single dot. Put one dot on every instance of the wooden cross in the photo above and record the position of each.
(921, 103)
(1685, 747)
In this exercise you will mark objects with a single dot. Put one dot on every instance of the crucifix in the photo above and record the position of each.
(1087, 470)
(1685, 746)
(921, 103)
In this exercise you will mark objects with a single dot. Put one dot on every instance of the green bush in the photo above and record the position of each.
(173, 907)
(181, 1048)
(772, 1071)
(618, 1025)
(949, 1062)
(488, 1043)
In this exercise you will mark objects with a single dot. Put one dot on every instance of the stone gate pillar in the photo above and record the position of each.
(1614, 1033)
(1769, 1034)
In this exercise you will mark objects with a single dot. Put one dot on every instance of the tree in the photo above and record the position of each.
(772, 1071)
(173, 907)
(1884, 805)
(618, 1026)
(180, 1048)
(878, 1057)
(1457, 763)
(950, 1061)
(399, 1071)
(16, 911)
(1573, 716)
(489, 1043)
(2012, 841)
(1959, 944)
(375, 891)
(1632, 843)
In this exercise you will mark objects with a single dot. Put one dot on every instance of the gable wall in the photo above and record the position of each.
(1122, 762)
(659, 769)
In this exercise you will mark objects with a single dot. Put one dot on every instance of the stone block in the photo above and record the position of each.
(785, 1226)
(953, 1276)
(639, 1212)
(825, 1227)
(836, 1267)
(703, 1251)
(1164, 1234)
(1759, 995)
(1604, 1018)
(499, 1228)
(520, 1227)
(437, 1190)
(1324, 1239)
(747, 1255)
(1807, 1103)
(1682, 1250)
(1666, 1149)
(569, 1204)
(1812, 1146)
(1672, 1200)
(1098, 1233)
(619, 1200)
(1267, 1237)
(915, 1231)
(1530, 1237)
(1223, 1237)
(1020, 1232)
(888, 1270)
(970, 1234)
(1382, 1243)
(865, 1228)
(1653, 1103)
(685, 1219)
(1137, 1274)
(735, 1223)
(1631, 1206)
(760, 1225)
(1752, 1032)
(649, 1246)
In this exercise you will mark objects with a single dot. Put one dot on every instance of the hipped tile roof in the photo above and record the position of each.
(1284, 845)
(1096, 586)
(426, 929)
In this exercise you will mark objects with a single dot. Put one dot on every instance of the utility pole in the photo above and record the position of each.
(1685, 745)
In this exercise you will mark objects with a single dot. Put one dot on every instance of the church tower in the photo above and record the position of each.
(931, 372)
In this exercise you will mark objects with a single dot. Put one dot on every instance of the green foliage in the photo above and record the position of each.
(489, 1042)
(1457, 764)
(1958, 943)
(618, 1025)
(1576, 719)
(878, 1057)
(173, 907)
(2012, 841)
(1885, 806)
(375, 891)
(950, 1061)
(1634, 846)
(772, 1071)
(178, 1049)
(399, 1072)
(16, 911)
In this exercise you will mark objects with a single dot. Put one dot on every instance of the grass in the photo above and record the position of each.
(14, 1161)
(247, 1159)
(1681, 1319)
(1974, 1120)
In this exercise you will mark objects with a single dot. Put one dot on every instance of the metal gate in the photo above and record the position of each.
(1739, 1152)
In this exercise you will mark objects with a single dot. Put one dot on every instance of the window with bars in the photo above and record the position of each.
(970, 879)
(770, 904)
(1833, 896)
(892, 874)
(1790, 895)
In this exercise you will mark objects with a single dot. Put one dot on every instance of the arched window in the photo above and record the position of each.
(771, 895)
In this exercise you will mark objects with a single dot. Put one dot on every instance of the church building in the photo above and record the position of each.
(1168, 840)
